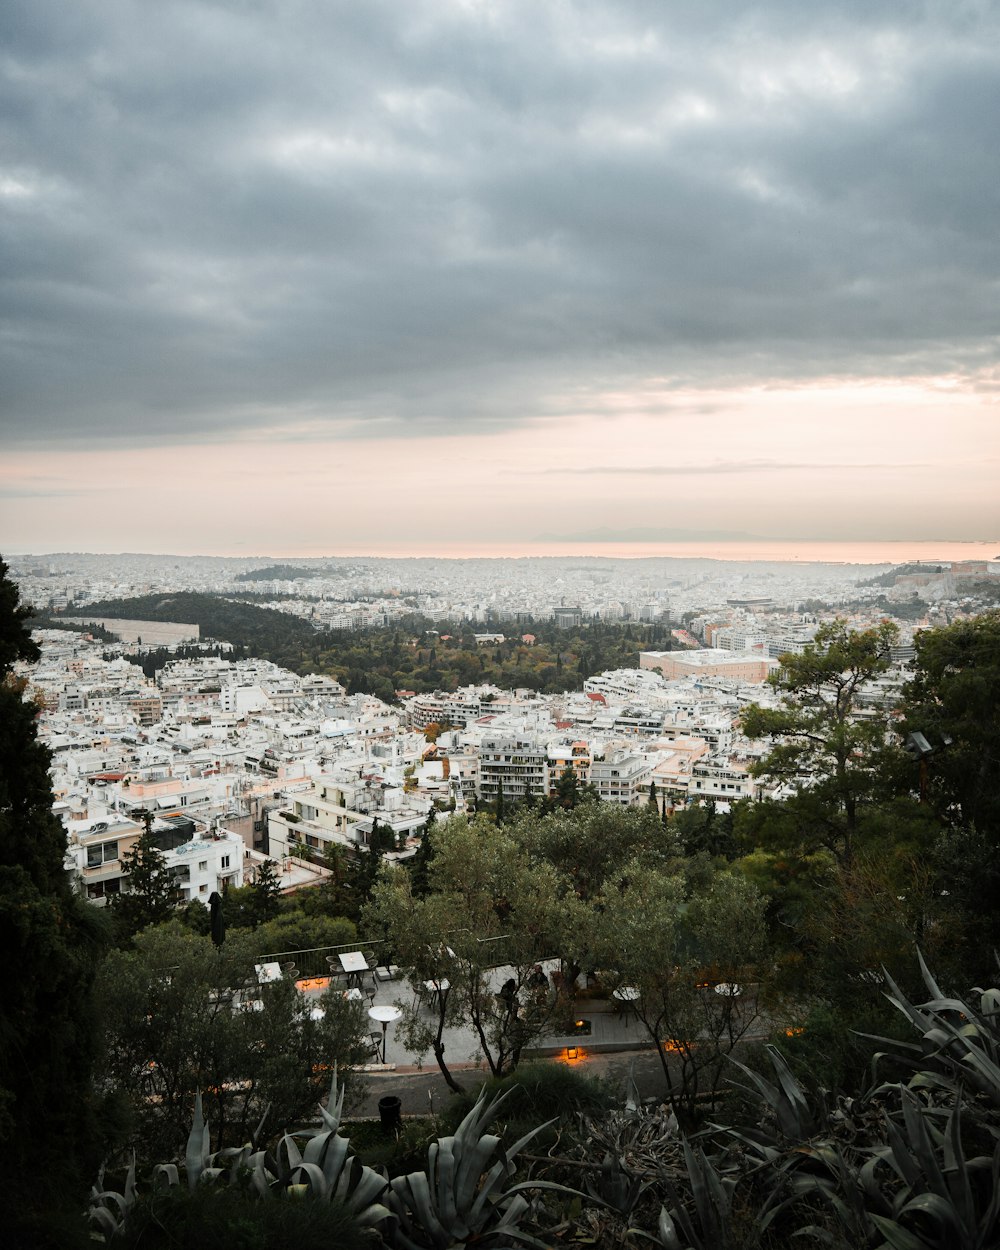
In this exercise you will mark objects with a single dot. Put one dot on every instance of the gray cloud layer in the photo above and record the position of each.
(315, 214)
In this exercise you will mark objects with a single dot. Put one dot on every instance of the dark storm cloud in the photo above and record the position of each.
(302, 215)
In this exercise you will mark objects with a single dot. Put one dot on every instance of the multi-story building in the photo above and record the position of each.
(723, 781)
(736, 665)
(94, 857)
(622, 778)
(317, 818)
(514, 765)
(202, 861)
(572, 755)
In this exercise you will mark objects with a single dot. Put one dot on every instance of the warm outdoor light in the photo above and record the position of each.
(572, 1052)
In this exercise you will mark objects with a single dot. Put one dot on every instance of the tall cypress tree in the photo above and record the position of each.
(51, 941)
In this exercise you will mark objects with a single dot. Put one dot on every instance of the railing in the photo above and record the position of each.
(314, 962)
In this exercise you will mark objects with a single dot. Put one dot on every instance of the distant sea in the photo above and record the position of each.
(763, 550)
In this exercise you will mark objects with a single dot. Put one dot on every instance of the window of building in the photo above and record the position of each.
(103, 853)
(102, 889)
(203, 865)
(225, 861)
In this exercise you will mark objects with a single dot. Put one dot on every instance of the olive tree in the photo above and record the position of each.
(489, 908)
(694, 961)
(181, 1016)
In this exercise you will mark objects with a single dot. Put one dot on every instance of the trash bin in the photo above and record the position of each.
(389, 1113)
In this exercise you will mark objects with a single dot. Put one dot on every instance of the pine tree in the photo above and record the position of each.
(151, 893)
(266, 893)
(421, 861)
(51, 941)
(567, 793)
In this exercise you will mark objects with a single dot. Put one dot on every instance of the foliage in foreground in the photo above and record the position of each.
(465, 1194)
(909, 1165)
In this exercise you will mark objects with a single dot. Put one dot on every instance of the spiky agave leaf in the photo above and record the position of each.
(196, 1154)
(461, 1194)
(786, 1100)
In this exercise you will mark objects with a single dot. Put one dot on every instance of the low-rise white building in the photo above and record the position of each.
(623, 777)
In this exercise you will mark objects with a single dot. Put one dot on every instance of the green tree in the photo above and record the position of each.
(953, 696)
(834, 761)
(489, 906)
(178, 1017)
(585, 848)
(296, 930)
(420, 864)
(702, 828)
(674, 948)
(52, 941)
(568, 791)
(266, 901)
(150, 893)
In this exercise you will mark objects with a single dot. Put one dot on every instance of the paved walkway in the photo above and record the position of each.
(422, 1092)
(616, 1045)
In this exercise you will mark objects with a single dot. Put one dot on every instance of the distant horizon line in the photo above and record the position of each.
(724, 549)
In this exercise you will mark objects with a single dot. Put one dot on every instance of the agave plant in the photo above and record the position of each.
(918, 1191)
(615, 1187)
(709, 1226)
(200, 1166)
(960, 1041)
(324, 1168)
(108, 1209)
(463, 1197)
(795, 1118)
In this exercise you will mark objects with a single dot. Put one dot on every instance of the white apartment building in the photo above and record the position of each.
(518, 766)
(626, 684)
(316, 818)
(723, 781)
(622, 778)
(206, 863)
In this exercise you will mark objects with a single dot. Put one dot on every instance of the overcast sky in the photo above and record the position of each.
(313, 275)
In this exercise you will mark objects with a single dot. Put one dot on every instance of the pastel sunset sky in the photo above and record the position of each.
(309, 276)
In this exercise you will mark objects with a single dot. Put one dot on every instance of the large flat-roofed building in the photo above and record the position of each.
(709, 662)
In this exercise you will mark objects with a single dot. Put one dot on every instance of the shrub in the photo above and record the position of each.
(539, 1091)
(228, 1218)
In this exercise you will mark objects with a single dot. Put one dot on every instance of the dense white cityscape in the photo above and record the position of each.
(241, 761)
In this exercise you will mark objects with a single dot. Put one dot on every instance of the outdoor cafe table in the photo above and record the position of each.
(355, 963)
(267, 972)
(437, 988)
(385, 1016)
(628, 996)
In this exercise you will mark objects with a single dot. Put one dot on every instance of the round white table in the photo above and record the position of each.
(628, 996)
(385, 1016)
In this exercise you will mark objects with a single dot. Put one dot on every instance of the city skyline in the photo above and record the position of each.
(464, 276)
